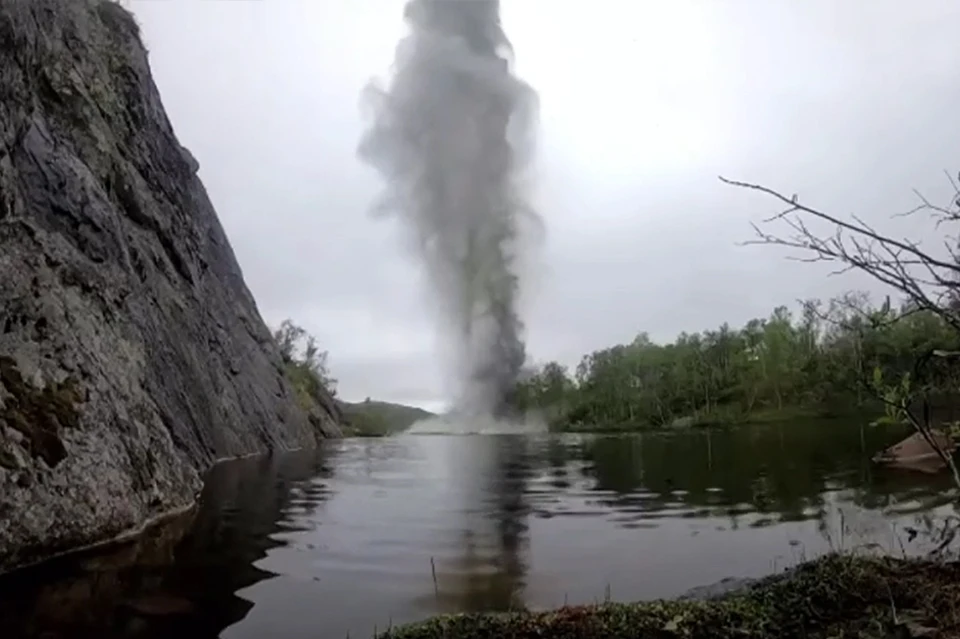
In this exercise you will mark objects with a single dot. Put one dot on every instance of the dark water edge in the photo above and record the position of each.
(179, 576)
(320, 543)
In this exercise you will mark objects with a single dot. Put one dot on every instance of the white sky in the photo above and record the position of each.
(850, 104)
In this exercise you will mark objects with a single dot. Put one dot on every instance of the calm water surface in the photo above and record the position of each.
(349, 538)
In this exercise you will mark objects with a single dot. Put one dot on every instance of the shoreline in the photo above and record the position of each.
(786, 415)
(139, 530)
(879, 591)
(123, 537)
(831, 596)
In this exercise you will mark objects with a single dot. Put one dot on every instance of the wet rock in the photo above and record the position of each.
(132, 354)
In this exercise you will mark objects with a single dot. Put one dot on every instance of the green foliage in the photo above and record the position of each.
(841, 357)
(375, 419)
(304, 363)
(306, 367)
(836, 596)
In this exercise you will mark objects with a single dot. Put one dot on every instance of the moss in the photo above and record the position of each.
(39, 413)
(836, 596)
(7, 459)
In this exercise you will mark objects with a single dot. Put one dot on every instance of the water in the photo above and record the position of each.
(348, 538)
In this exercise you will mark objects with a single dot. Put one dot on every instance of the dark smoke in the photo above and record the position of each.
(451, 135)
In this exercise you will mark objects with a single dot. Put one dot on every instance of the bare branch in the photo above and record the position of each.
(925, 279)
(857, 230)
(930, 283)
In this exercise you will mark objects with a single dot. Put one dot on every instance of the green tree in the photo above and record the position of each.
(929, 280)
(817, 360)
(305, 364)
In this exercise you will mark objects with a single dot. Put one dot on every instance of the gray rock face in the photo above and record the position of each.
(132, 354)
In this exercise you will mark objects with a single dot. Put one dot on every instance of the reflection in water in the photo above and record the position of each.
(181, 576)
(511, 467)
(489, 572)
(349, 539)
(774, 474)
(91, 594)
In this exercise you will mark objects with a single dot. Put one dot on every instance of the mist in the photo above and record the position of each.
(451, 134)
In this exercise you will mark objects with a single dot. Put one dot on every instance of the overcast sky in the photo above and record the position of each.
(643, 104)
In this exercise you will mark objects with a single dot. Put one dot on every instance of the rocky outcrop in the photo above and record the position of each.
(132, 354)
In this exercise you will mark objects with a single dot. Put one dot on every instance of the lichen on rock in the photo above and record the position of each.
(39, 414)
(132, 354)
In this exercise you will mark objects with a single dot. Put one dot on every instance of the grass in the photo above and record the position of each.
(834, 596)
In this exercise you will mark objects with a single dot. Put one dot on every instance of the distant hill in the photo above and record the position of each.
(373, 418)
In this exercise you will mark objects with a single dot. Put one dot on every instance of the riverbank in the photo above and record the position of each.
(719, 418)
(834, 596)
(372, 418)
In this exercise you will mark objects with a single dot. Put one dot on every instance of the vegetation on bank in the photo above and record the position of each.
(847, 354)
(304, 364)
(835, 596)
(830, 358)
(373, 418)
(842, 357)
(307, 369)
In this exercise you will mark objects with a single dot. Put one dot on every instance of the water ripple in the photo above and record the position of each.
(371, 532)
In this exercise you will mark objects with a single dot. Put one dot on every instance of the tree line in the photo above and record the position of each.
(846, 354)
(831, 357)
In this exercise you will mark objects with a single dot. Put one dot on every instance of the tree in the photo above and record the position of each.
(929, 281)
(305, 364)
(288, 337)
(820, 360)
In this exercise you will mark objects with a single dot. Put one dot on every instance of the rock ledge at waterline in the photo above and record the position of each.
(132, 354)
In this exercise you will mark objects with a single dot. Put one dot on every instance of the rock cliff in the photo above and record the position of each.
(132, 354)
